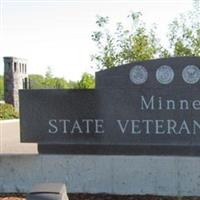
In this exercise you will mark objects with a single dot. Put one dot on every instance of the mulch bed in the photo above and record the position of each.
(102, 197)
(125, 197)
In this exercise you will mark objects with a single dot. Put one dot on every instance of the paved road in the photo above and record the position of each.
(10, 139)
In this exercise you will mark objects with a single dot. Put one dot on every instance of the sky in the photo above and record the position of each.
(57, 34)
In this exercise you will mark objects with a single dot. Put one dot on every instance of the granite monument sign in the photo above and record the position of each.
(150, 107)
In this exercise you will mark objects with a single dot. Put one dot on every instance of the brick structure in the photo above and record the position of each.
(15, 78)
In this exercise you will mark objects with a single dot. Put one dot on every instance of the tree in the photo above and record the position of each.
(49, 81)
(49, 74)
(36, 81)
(87, 81)
(72, 84)
(59, 83)
(137, 43)
(125, 45)
(184, 34)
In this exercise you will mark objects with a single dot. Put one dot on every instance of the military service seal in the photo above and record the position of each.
(191, 74)
(138, 74)
(165, 74)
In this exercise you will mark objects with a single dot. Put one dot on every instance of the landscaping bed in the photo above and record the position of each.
(102, 197)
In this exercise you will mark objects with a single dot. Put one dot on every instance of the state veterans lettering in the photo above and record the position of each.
(136, 126)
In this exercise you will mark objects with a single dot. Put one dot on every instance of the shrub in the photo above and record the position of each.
(7, 111)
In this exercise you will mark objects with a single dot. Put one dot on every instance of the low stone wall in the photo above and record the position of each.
(179, 176)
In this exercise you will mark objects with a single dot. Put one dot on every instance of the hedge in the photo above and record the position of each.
(7, 111)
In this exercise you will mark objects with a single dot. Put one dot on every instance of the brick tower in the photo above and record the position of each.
(15, 78)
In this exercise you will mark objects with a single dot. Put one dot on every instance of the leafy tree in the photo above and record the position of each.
(49, 74)
(59, 83)
(137, 43)
(125, 45)
(49, 81)
(184, 34)
(36, 81)
(40, 82)
(87, 81)
(73, 84)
